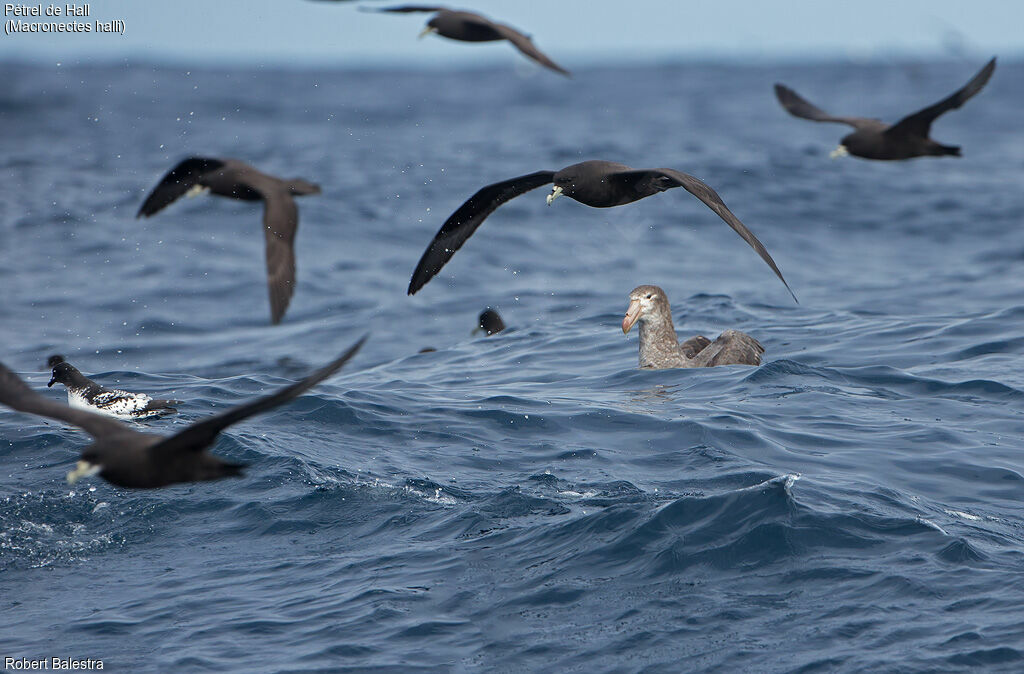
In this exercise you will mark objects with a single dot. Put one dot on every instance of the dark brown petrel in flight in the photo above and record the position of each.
(874, 139)
(238, 180)
(600, 184)
(470, 27)
(128, 458)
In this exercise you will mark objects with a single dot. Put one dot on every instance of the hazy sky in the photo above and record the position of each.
(570, 31)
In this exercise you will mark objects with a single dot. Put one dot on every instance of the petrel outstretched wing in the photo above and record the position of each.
(920, 123)
(801, 107)
(201, 435)
(464, 221)
(669, 178)
(280, 222)
(176, 183)
(524, 44)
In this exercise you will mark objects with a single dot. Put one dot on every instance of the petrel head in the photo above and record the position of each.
(644, 302)
(565, 181)
(489, 322)
(61, 370)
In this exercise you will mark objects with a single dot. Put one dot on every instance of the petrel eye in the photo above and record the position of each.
(650, 296)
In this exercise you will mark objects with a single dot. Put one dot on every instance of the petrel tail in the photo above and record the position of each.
(163, 406)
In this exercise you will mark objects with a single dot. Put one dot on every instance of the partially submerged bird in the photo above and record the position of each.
(470, 27)
(85, 394)
(128, 458)
(874, 139)
(489, 322)
(238, 180)
(660, 348)
(596, 183)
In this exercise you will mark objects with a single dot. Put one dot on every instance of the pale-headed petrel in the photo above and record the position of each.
(660, 348)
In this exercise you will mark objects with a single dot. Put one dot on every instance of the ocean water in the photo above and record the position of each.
(528, 501)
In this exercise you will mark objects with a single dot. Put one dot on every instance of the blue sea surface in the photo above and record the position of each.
(529, 501)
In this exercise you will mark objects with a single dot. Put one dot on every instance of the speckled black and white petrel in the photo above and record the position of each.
(127, 458)
(85, 394)
(596, 183)
(238, 180)
(660, 348)
(874, 139)
(470, 27)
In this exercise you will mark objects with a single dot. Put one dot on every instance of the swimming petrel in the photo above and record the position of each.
(660, 348)
(874, 139)
(238, 180)
(601, 184)
(470, 27)
(489, 322)
(86, 394)
(127, 458)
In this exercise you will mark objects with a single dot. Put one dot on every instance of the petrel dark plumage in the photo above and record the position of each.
(86, 394)
(238, 180)
(470, 27)
(596, 183)
(489, 322)
(660, 348)
(128, 458)
(874, 139)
